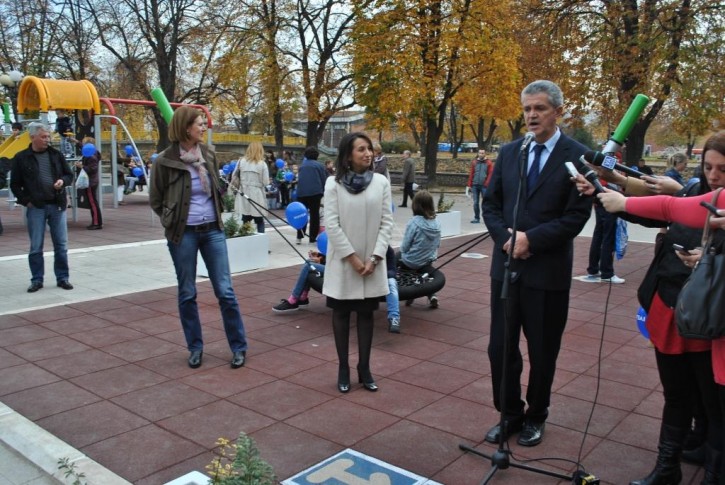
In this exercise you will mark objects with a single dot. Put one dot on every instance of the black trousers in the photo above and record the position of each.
(685, 377)
(407, 191)
(542, 315)
(312, 202)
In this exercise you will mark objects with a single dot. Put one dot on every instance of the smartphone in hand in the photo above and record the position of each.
(680, 249)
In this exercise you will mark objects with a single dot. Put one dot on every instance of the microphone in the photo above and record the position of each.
(639, 103)
(590, 175)
(608, 162)
(527, 140)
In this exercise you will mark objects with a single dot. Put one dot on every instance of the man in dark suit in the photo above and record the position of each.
(550, 215)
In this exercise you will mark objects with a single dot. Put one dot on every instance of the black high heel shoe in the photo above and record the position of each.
(366, 379)
(343, 379)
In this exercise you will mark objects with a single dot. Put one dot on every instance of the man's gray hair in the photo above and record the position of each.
(406, 153)
(553, 92)
(36, 126)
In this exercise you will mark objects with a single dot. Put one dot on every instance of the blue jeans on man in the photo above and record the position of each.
(36, 218)
(478, 192)
(213, 248)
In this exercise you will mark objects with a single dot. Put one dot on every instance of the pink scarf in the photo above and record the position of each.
(194, 158)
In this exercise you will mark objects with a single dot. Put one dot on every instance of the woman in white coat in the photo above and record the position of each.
(359, 225)
(253, 173)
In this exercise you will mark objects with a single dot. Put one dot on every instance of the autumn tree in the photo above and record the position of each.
(629, 48)
(322, 31)
(29, 37)
(155, 35)
(412, 58)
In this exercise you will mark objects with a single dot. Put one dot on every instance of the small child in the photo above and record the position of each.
(421, 239)
(298, 298)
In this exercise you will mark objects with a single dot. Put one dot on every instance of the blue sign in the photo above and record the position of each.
(353, 468)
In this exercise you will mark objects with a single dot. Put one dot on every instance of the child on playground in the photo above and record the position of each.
(421, 239)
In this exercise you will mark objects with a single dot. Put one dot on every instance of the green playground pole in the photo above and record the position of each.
(163, 104)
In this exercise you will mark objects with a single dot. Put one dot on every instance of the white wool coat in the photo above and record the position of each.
(357, 223)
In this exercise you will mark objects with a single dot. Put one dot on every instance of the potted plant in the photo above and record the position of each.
(247, 249)
(450, 220)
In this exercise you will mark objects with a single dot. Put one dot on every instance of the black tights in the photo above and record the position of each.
(341, 329)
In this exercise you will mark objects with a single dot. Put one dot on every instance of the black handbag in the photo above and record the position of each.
(700, 312)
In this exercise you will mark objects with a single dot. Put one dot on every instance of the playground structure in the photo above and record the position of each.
(44, 95)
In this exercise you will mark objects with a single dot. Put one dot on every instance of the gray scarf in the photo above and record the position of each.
(194, 158)
(356, 182)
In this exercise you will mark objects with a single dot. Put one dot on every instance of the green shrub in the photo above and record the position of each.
(443, 204)
(396, 146)
(245, 467)
(228, 203)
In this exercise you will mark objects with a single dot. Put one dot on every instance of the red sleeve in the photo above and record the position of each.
(489, 165)
(470, 175)
(683, 210)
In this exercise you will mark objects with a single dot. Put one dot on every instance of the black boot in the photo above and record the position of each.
(667, 469)
(713, 463)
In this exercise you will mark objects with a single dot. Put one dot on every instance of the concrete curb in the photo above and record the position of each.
(43, 450)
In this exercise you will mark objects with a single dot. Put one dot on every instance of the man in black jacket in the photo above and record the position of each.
(39, 177)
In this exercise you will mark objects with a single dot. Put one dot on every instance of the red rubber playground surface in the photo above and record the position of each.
(110, 378)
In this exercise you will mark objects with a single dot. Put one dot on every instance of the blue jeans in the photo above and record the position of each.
(214, 251)
(301, 284)
(478, 192)
(36, 218)
(391, 299)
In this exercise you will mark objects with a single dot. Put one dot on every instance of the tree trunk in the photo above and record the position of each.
(163, 130)
(278, 131)
(433, 134)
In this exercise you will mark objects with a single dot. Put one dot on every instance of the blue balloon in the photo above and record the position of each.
(279, 163)
(154, 156)
(129, 150)
(641, 322)
(227, 169)
(296, 214)
(293, 194)
(322, 243)
(88, 150)
(137, 172)
(289, 176)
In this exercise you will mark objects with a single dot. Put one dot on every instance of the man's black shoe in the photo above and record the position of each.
(238, 359)
(65, 284)
(494, 434)
(195, 359)
(34, 286)
(532, 434)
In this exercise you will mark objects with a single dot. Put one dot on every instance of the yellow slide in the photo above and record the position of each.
(11, 145)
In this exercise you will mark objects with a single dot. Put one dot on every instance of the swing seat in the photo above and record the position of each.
(411, 284)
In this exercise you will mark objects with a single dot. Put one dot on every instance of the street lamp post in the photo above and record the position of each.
(11, 81)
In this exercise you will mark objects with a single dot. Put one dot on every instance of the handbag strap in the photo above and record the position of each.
(707, 233)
